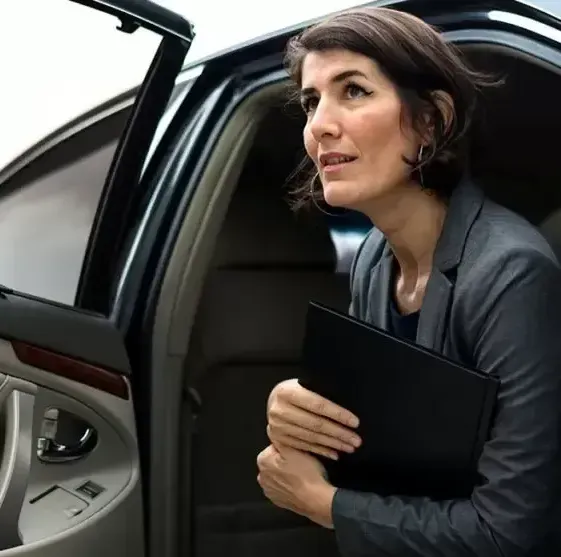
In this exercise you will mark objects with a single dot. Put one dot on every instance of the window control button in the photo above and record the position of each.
(90, 489)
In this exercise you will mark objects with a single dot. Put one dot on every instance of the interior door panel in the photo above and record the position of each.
(56, 500)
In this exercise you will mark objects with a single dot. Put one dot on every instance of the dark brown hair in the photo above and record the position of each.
(418, 61)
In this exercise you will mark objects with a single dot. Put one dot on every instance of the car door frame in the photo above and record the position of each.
(127, 182)
(203, 108)
(122, 192)
(197, 105)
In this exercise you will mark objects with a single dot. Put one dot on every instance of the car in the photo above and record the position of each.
(134, 398)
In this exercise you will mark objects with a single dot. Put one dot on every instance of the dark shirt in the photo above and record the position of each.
(399, 324)
(403, 325)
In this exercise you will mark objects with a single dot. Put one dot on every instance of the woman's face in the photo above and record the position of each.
(354, 131)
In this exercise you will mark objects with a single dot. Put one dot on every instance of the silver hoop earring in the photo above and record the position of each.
(314, 200)
(419, 166)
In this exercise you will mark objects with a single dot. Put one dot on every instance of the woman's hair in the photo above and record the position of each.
(420, 63)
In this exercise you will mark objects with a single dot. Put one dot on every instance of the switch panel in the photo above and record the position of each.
(90, 489)
(57, 502)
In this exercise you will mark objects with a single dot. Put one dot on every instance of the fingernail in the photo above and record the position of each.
(356, 442)
(334, 456)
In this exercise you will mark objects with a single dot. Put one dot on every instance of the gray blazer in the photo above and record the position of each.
(493, 301)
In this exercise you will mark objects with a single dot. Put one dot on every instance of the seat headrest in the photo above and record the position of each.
(260, 228)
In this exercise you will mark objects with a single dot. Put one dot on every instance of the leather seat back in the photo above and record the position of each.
(247, 337)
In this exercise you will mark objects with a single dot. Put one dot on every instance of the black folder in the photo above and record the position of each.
(423, 418)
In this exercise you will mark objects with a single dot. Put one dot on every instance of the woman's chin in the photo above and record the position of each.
(338, 199)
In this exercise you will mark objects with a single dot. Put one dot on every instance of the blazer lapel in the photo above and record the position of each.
(434, 311)
(380, 283)
(464, 207)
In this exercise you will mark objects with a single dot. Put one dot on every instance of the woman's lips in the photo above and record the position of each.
(334, 168)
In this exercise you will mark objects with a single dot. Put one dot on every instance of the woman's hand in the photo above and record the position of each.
(303, 420)
(296, 481)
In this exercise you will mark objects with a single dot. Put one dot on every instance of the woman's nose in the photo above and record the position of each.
(325, 121)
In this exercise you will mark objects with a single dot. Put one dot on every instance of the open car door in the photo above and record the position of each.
(83, 497)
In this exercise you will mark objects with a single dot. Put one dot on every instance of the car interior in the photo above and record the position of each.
(232, 305)
(264, 263)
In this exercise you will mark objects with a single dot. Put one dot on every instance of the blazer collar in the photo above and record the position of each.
(464, 207)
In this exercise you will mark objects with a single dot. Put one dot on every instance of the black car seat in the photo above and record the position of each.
(248, 330)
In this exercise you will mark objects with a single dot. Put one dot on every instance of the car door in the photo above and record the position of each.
(61, 364)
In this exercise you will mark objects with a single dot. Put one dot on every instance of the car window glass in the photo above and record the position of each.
(57, 73)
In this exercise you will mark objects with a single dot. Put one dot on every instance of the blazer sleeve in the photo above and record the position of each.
(513, 328)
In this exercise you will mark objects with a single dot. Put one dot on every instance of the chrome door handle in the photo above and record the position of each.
(50, 451)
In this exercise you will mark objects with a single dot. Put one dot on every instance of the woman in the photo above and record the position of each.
(388, 106)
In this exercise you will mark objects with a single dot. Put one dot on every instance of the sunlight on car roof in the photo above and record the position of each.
(216, 32)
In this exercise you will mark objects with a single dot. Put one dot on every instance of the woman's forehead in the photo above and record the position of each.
(323, 68)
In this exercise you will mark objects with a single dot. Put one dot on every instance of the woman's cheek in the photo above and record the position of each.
(310, 145)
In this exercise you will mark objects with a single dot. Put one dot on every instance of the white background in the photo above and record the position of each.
(58, 59)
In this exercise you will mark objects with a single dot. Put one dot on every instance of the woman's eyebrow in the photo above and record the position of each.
(335, 79)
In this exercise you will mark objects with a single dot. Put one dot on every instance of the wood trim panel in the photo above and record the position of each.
(70, 368)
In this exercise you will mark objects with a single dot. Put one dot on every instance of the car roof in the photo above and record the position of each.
(214, 39)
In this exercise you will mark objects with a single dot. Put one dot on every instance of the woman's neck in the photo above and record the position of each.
(411, 219)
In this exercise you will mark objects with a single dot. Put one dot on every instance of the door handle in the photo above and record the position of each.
(50, 451)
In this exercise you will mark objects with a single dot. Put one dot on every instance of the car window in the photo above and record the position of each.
(58, 72)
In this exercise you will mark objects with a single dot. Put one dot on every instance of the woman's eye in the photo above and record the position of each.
(354, 91)
(308, 104)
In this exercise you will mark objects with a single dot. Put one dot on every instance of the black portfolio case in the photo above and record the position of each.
(423, 418)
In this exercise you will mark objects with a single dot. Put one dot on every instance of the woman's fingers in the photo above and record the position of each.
(296, 395)
(285, 429)
(295, 443)
(304, 420)
(310, 428)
